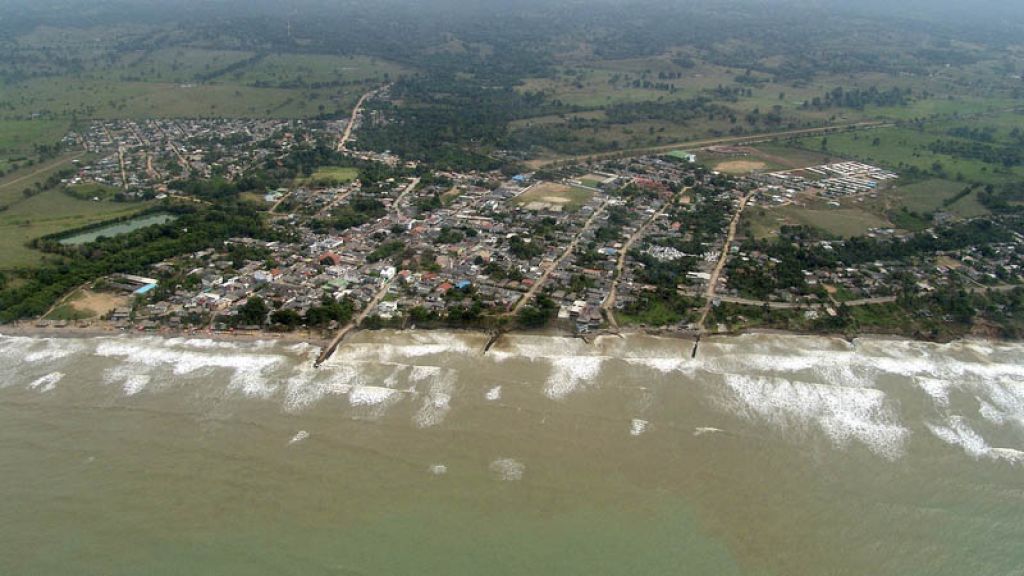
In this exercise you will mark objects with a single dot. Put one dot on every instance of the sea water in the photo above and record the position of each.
(418, 453)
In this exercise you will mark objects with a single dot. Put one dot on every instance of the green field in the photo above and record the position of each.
(301, 69)
(899, 148)
(929, 195)
(571, 198)
(13, 184)
(49, 212)
(92, 191)
(17, 137)
(330, 176)
(843, 222)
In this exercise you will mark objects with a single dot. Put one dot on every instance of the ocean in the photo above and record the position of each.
(418, 453)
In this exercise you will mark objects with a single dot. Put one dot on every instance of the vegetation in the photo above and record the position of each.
(196, 229)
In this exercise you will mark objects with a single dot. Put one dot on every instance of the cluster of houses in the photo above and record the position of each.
(478, 245)
(831, 181)
(139, 158)
(447, 241)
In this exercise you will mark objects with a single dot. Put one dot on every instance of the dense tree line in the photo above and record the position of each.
(1007, 156)
(858, 99)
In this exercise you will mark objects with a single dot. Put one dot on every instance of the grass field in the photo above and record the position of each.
(299, 69)
(571, 198)
(330, 176)
(902, 147)
(843, 222)
(12, 185)
(92, 191)
(928, 196)
(17, 137)
(49, 212)
(181, 64)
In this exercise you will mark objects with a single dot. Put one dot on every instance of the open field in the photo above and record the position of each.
(740, 166)
(179, 64)
(329, 176)
(65, 97)
(290, 70)
(12, 185)
(86, 304)
(844, 222)
(49, 212)
(788, 158)
(92, 191)
(17, 137)
(569, 197)
(900, 148)
(929, 195)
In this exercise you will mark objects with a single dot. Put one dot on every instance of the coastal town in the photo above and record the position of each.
(652, 242)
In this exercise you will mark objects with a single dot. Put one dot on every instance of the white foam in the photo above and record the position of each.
(46, 383)
(423, 373)
(437, 402)
(638, 427)
(571, 372)
(51, 349)
(419, 346)
(990, 413)
(299, 437)
(438, 469)
(248, 370)
(508, 469)
(135, 383)
(705, 430)
(494, 394)
(308, 385)
(957, 432)
(663, 365)
(844, 414)
(937, 389)
(370, 395)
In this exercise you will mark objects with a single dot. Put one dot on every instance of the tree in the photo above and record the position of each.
(287, 318)
(253, 312)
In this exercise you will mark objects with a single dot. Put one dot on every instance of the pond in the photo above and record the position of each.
(118, 229)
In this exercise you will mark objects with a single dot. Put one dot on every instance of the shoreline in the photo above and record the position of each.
(30, 330)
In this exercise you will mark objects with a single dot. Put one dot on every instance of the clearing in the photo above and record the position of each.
(740, 166)
(330, 176)
(85, 304)
(570, 198)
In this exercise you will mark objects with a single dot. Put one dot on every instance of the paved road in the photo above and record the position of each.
(751, 139)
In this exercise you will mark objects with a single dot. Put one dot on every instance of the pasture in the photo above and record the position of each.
(46, 213)
(843, 222)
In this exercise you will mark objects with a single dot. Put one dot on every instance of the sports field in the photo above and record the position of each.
(570, 198)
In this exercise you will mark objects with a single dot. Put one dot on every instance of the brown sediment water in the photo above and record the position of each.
(413, 453)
